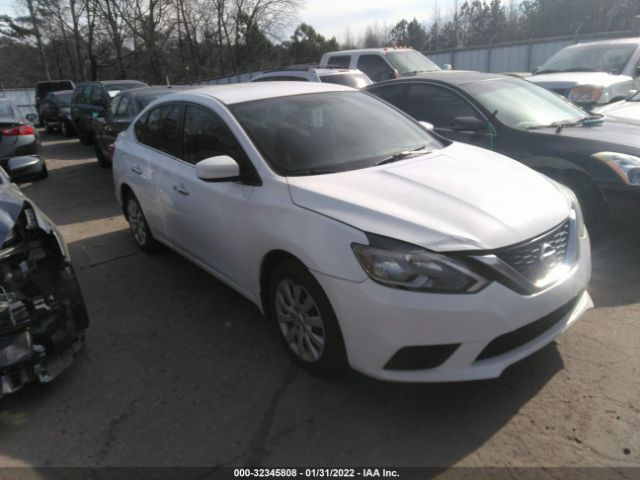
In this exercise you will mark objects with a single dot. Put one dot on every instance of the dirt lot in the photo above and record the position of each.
(180, 370)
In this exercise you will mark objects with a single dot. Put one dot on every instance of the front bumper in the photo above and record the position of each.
(377, 322)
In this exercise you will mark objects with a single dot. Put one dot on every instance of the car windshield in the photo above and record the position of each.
(521, 104)
(65, 100)
(329, 132)
(410, 61)
(355, 80)
(594, 58)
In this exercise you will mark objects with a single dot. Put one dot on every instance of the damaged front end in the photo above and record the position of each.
(42, 313)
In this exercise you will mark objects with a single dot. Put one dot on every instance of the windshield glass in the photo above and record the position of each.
(328, 132)
(595, 58)
(521, 104)
(355, 80)
(409, 61)
(65, 100)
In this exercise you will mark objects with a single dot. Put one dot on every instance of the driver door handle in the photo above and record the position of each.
(137, 170)
(181, 189)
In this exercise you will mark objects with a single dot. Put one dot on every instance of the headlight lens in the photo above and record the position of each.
(626, 166)
(586, 93)
(400, 265)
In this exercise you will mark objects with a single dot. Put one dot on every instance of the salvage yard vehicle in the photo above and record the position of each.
(598, 158)
(42, 313)
(44, 88)
(55, 113)
(381, 63)
(368, 240)
(628, 110)
(312, 73)
(594, 73)
(18, 138)
(121, 111)
(91, 99)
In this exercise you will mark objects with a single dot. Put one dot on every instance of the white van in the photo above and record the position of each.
(381, 63)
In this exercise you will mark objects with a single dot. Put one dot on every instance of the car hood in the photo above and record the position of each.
(458, 198)
(11, 204)
(621, 110)
(573, 79)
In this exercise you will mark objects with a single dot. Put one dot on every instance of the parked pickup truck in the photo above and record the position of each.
(593, 74)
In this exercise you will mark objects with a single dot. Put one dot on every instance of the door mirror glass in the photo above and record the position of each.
(219, 168)
(427, 126)
(21, 169)
(472, 124)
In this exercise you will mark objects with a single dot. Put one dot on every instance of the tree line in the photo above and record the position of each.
(186, 40)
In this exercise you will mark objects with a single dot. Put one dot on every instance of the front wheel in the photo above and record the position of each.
(305, 319)
(139, 226)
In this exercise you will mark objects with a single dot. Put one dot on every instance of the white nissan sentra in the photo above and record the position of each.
(367, 240)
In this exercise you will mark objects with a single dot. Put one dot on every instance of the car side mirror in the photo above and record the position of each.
(218, 169)
(472, 124)
(631, 94)
(31, 117)
(447, 66)
(21, 169)
(427, 126)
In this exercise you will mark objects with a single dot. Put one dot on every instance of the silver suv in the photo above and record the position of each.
(349, 77)
(592, 74)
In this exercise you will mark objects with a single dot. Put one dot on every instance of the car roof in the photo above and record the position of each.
(247, 92)
(369, 50)
(153, 90)
(613, 41)
(318, 70)
(114, 82)
(453, 77)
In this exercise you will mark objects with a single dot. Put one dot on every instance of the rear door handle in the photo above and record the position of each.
(137, 170)
(181, 189)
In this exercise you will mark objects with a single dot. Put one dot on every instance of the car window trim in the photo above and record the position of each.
(179, 128)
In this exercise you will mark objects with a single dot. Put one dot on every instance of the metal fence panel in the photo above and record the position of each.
(509, 59)
(23, 98)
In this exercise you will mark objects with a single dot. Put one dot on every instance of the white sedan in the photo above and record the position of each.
(367, 240)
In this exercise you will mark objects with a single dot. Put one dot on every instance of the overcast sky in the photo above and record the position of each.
(333, 17)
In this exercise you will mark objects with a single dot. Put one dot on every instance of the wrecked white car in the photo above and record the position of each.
(42, 313)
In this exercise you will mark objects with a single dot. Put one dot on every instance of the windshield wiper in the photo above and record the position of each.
(419, 150)
(559, 125)
(313, 171)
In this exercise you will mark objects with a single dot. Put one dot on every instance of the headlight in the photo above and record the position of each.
(626, 166)
(586, 94)
(400, 265)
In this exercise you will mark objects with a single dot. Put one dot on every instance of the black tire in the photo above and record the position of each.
(65, 129)
(84, 137)
(45, 171)
(331, 358)
(103, 161)
(139, 226)
(594, 211)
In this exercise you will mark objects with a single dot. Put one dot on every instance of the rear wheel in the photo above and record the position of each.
(305, 319)
(84, 137)
(139, 226)
(65, 129)
(103, 160)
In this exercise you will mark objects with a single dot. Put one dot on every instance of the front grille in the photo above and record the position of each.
(516, 338)
(535, 258)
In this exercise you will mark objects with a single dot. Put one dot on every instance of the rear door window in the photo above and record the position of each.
(339, 61)
(160, 131)
(375, 67)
